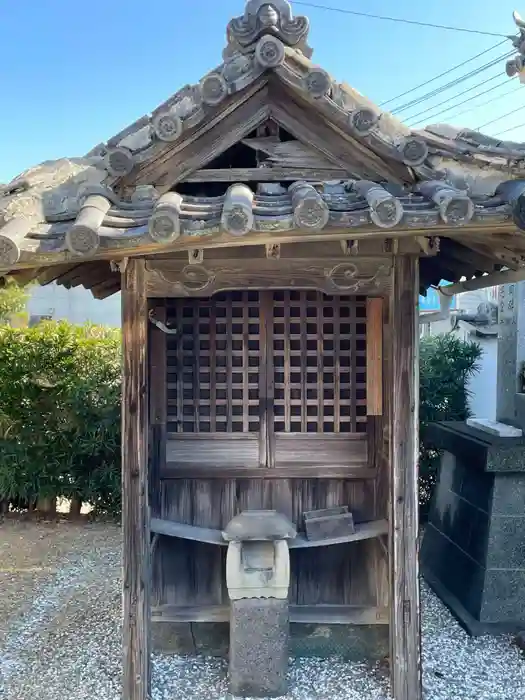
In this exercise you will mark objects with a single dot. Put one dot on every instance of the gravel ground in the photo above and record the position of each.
(60, 635)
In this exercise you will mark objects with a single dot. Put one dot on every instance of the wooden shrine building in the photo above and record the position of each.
(270, 230)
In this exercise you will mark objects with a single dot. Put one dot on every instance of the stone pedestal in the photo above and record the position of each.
(473, 549)
(259, 630)
(258, 578)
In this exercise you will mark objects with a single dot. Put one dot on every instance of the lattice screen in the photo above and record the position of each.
(213, 364)
(319, 358)
(315, 352)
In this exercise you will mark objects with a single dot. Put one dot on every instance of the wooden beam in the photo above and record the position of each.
(158, 398)
(135, 508)
(374, 356)
(273, 174)
(306, 614)
(405, 615)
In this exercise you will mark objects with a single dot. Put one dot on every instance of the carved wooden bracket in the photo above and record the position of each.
(175, 278)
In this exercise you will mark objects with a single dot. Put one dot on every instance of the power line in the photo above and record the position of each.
(398, 19)
(441, 75)
(449, 99)
(468, 99)
(512, 128)
(493, 121)
(482, 104)
(451, 84)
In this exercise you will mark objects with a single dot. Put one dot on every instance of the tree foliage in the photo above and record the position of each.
(446, 364)
(60, 413)
(13, 300)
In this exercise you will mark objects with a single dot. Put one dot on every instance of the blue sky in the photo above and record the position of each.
(73, 74)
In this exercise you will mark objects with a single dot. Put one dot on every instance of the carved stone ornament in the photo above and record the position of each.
(214, 89)
(269, 52)
(82, 238)
(455, 207)
(386, 211)
(237, 213)
(309, 209)
(363, 121)
(318, 82)
(167, 127)
(119, 161)
(269, 17)
(513, 192)
(164, 223)
(516, 65)
(413, 151)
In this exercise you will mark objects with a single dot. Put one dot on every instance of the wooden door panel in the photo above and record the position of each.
(304, 449)
(267, 379)
(213, 409)
(319, 370)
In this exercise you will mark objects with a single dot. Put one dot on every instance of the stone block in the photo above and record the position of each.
(326, 525)
(506, 459)
(476, 488)
(509, 495)
(473, 549)
(503, 599)
(454, 569)
(259, 632)
(494, 427)
(506, 543)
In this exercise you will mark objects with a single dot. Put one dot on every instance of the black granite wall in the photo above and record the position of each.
(473, 549)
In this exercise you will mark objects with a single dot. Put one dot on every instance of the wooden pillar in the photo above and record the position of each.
(135, 508)
(405, 614)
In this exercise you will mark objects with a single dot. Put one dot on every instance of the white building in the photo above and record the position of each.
(76, 305)
(482, 385)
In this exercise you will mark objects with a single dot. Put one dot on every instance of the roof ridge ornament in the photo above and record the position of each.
(516, 65)
(268, 17)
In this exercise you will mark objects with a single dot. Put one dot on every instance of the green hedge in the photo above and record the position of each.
(446, 364)
(60, 410)
(60, 414)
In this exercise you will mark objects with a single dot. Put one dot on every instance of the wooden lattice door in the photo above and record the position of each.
(214, 373)
(267, 379)
(319, 375)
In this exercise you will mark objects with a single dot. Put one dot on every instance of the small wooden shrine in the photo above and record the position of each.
(270, 230)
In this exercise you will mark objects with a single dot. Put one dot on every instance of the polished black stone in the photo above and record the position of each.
(473, 549)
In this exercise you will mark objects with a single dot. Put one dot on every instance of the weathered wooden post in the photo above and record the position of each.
(135, 508)
(405, 615)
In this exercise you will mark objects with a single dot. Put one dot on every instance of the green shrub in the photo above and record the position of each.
(446, 364)
(60, 413)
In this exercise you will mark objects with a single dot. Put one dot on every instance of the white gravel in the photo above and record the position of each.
(67, 645)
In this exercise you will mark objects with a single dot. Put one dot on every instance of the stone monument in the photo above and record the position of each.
(473, 550)
(258, 578)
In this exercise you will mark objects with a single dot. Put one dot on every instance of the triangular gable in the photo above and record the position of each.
(266, 72)
(139, 193)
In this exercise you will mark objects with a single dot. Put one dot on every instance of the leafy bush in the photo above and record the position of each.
(13, 301)
(60, 413)
(446, 364)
